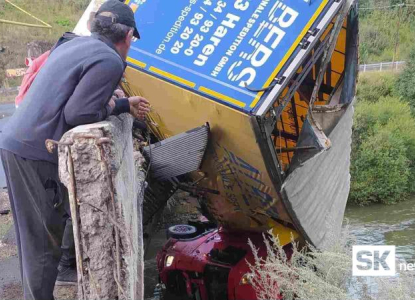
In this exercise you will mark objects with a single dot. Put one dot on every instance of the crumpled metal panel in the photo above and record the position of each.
(316, 192)
(178, 155)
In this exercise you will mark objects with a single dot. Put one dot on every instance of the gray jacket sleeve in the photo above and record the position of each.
(89, 101)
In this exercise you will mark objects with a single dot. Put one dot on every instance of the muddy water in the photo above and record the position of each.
(385, 225)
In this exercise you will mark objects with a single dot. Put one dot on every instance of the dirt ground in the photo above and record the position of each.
(181, 208)
(9, 284)
(7, 98)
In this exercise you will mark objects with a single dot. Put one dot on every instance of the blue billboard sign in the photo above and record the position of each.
(220, 47)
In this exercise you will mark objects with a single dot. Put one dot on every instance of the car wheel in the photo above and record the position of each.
(181, 232)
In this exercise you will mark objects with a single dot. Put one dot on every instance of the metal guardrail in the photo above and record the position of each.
(383, 66)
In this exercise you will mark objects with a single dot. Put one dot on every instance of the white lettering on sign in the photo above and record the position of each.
(175, 28)
(241, 36)
(229, 22)
(220, 66)
(241, 5)
(266, 39)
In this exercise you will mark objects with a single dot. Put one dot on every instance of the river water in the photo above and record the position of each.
(381, 224)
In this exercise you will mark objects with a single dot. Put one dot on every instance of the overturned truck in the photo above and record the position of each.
(275, 83)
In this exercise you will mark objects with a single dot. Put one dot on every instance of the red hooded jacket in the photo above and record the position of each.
(37, 64)
(30, 75)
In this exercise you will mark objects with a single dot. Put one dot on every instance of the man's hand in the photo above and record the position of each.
(139, 107)
(112, 102)
(118, 93)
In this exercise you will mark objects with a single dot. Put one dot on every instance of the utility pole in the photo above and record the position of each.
(401, 5)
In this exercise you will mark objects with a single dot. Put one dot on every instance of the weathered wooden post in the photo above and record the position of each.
(105, 180)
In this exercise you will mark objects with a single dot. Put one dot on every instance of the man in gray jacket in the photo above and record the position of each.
(74, 87)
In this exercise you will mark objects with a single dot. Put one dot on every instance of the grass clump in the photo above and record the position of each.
(374, 85)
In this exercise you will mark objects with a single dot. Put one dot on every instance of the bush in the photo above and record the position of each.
(369, 116)
(374, 85)
(405, 85)
(380, 170)
(383, 156)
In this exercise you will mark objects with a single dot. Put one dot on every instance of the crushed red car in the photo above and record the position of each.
(210, 263)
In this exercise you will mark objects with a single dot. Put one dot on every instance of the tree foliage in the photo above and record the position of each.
(383, 156)
(405, 85)
(379, 31)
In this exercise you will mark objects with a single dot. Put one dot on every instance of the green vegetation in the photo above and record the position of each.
(384, 152)
(379, 30)
(405, 85)
(383, 156)
(62, 15)
(373, 86)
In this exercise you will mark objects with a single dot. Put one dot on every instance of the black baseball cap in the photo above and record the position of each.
(123, 14)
